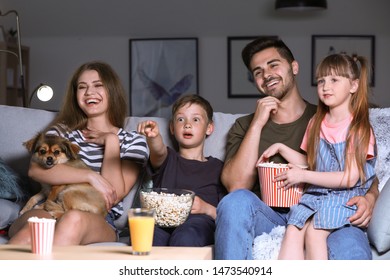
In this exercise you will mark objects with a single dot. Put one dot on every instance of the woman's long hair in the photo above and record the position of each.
(359, 132)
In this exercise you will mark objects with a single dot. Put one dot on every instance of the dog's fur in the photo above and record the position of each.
(47, 151)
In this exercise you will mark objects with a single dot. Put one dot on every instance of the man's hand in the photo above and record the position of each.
(265, 107)
(364, 210)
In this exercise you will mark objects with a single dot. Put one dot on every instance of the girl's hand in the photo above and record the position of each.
(96, 136)
(104, 187)
(294, 175)
(271, 151)
(202, 207)
(148, 128)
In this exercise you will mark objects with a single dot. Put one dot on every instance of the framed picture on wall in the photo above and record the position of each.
(161, 70)
(240, 80)
(362, 45)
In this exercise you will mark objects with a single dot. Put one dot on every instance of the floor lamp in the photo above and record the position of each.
(19, 54)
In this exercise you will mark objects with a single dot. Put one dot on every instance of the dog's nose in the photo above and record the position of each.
(49, 160)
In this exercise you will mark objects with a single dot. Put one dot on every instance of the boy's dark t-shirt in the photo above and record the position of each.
(203, 178)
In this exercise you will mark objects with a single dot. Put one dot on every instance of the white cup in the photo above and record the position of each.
(42, 234)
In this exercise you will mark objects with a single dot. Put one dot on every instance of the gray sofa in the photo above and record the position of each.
(20, 124)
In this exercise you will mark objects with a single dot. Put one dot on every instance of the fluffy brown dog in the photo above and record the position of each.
(47, 151)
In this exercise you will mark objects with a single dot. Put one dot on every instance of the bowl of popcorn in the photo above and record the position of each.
(172, 206)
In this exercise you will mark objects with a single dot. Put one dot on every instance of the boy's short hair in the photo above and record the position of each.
(193, 99)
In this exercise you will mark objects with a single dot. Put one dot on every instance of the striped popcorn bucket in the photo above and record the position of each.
(42, 233)
(271, 193)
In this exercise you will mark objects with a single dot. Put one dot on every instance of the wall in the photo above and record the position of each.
(53, 59)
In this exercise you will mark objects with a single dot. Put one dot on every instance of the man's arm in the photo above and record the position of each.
(239, 171)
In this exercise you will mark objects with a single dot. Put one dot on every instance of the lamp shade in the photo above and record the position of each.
(43, 92)
(301, 5)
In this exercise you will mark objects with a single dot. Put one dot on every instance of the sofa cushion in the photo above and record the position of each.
(215, 143)
(379, 228)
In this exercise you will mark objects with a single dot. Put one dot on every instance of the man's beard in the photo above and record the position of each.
(281, 93)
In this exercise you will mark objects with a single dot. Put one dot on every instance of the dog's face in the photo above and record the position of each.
(49, 150)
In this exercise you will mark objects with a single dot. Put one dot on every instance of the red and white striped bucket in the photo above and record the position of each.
(42, 234)
(271, 193)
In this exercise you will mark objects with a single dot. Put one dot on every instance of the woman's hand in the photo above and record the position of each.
(104, 187)
(96, 136)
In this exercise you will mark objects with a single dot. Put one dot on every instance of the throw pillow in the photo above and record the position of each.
(379, 228)
(10, 183)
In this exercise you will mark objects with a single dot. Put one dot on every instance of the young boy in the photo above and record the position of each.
(188, 169)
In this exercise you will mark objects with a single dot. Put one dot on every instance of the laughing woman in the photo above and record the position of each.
(92, 115)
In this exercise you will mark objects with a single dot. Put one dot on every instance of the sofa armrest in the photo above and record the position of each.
(379, 228)
(9, 211)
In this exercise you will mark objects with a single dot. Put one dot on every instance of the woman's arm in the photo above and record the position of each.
(63, 174)
(121, 174)
(130, 171)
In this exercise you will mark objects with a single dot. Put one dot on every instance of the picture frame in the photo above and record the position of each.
(161, 70)
(362, 45)
(240, 80)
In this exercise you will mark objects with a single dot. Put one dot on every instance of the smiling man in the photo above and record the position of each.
(281, 116)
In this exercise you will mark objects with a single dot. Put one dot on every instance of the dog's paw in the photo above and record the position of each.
(24, 210)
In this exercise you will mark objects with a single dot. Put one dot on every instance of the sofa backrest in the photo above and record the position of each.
(17, 125)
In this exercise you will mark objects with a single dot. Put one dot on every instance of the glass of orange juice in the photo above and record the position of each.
(141, 224)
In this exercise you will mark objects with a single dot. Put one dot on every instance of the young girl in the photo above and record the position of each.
(92, 115)
(341, 152)
(192, 122)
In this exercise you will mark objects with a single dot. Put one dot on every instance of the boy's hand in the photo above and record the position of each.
(148, 128)
(202, 207)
